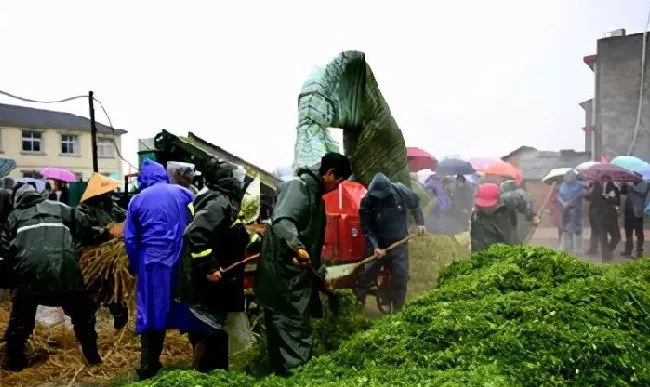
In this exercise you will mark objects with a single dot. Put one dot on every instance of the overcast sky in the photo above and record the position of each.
(468, 77)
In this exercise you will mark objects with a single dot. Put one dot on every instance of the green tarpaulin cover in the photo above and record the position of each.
(344, 94)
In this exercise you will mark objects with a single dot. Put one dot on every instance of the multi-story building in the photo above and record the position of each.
(37, 139)
(610, 117)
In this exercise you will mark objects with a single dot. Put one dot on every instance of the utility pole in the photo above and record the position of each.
(93, 130)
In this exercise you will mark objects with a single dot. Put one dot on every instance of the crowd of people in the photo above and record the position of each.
(604, 207)
(182, 242)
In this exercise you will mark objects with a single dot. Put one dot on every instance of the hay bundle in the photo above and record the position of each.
(106, 272)
(55, 357)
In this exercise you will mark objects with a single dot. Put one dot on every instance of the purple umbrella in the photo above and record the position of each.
(617, 174)
(59, 174)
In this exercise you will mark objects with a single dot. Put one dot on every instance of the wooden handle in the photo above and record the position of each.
(539, 214)
(214, 278)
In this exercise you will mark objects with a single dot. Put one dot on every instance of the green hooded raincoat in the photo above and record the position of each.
(289, 294)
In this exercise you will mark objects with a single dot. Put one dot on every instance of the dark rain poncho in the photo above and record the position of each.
(41, 250)
(383, 215)
(523, 224)
(494, 225)
(288, 293)
(213, 243)
(98, 217)
(384, 212)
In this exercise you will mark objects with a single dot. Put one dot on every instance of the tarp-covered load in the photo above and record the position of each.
(344, 94)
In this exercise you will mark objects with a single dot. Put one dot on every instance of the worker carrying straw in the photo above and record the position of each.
(101, 211)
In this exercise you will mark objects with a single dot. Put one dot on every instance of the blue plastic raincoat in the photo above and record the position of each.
(570, 198)
(153, 235)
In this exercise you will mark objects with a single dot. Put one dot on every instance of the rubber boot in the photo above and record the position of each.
(361, 296)
(607, 255)
(14, 357)
(151, 344)
(120, 313)
(90, 351)
(211, 352)
(200, 350)
(399, 299)
(627, 252)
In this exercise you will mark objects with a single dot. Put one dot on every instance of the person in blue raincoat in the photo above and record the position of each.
(436, 219)
(153, 234)
(383, 215)
(570, 198)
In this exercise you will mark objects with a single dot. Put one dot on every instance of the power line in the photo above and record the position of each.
(110, 125)
(68, 99)
(35, 101)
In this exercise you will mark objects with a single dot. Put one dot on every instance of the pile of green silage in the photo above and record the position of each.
(509, 316)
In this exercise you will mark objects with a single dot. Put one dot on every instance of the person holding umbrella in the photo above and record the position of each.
(635, 198)
(570, 198)
(603, 200)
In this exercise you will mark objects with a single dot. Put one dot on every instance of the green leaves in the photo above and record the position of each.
(509, 316)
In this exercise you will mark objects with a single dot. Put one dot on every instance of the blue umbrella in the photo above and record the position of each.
(6, 166)
(453, 167)
(633, 164)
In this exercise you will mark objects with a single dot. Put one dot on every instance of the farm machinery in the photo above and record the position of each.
(344, 247)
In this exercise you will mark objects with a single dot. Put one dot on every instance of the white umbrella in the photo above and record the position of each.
(423, 175)
(587, 164)
(555, 175)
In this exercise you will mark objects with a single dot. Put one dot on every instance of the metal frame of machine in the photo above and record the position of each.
(169, 147)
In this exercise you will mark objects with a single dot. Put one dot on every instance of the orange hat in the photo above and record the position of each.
(99, 185)
(487, 195)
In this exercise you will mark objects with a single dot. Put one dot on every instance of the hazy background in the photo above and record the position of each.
(464, 77)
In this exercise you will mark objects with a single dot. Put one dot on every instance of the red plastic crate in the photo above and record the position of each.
(331, 248)
(352, 242)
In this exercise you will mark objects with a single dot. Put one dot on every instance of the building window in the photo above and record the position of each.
(105, 147)
(69, 144)
(32, 174)
(32, 141)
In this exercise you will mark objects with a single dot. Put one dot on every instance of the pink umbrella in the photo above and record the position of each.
(419, 159)
(617, 174)
(480, 163)
(59, 174)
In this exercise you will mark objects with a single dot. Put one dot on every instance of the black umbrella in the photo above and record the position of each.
(453, 167)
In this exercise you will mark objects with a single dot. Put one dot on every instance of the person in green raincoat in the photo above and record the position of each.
(286, 284)
(101, 212)
(522, 225)
(493, 214)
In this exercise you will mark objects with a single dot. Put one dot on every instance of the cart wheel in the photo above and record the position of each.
(383, 296)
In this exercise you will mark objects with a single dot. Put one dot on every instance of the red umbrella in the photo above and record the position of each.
(419, 159)
(503, 169)
(617, 174)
